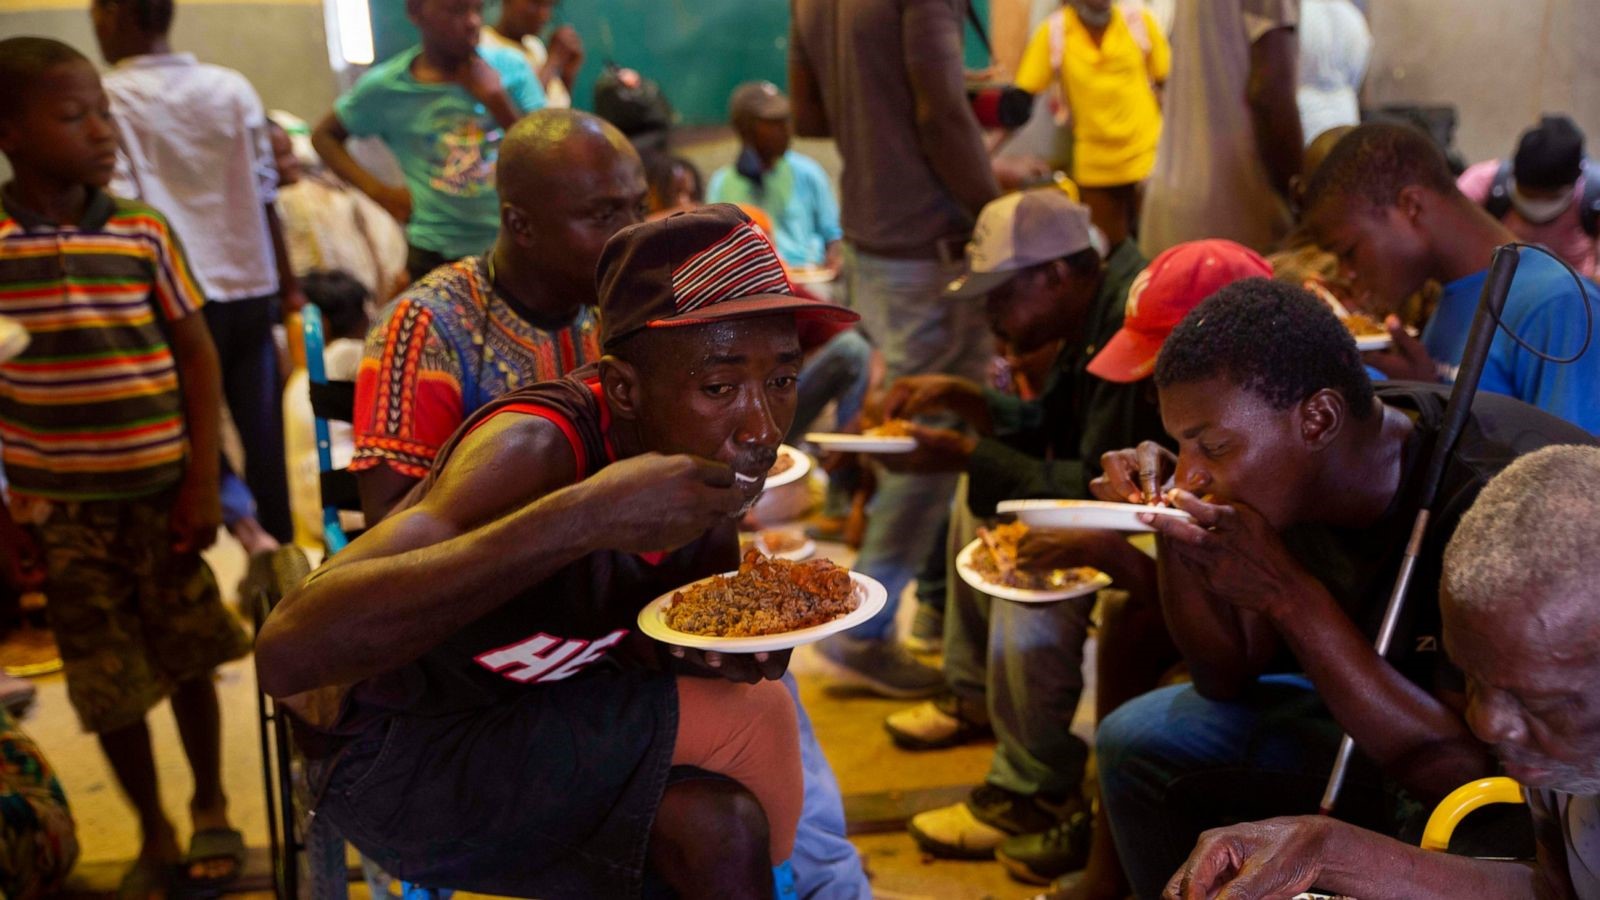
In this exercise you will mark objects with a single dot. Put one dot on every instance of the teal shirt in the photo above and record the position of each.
(446, 143)
(797, 196)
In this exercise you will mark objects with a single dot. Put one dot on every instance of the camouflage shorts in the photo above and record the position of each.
(132, 619)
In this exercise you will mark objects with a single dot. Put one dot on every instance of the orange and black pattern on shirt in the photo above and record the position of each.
(92, 409)
(446, 347)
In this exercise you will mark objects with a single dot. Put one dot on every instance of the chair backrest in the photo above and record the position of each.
(331, 401)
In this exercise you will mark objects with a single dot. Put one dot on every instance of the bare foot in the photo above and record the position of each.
(150, 876)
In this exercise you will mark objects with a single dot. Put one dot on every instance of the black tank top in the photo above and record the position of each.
(553, 629)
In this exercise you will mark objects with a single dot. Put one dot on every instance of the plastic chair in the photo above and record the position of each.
(297, 835)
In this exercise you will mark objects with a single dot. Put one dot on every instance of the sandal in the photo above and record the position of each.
(210, 845)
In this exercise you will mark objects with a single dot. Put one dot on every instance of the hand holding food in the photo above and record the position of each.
(1140, 474)
(653, 502)
(1406, 359)
(937, 450)
(1237, 555)
(918, 394)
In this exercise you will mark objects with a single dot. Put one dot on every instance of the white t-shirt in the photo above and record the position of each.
(556, 95)
(192, 142)
(1335, 47)
(1209, 180)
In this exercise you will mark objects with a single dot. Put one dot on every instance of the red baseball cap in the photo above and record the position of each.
(1174, 283)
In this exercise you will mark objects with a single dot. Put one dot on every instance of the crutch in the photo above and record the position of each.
(1496, 286)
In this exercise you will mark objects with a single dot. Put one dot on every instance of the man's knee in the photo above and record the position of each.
(1142, 727)
(711, 833)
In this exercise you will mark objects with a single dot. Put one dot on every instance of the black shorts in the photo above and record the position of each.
(550, 796)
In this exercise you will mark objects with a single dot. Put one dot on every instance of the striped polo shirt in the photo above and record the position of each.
(92, 409)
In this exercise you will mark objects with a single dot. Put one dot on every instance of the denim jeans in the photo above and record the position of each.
(918, 330)
(1173, 764)
(837, 372)
(826, 865)
(1022, 663)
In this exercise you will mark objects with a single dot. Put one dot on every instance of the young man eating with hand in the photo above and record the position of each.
(1303, 482)
(504, 689)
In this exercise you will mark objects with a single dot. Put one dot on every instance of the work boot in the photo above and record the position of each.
(934, 725)
(976, 827)
(1042, 858)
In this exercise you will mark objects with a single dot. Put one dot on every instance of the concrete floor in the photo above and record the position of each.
(849, 726)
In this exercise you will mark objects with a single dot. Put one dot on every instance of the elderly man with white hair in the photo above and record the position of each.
(1521, 604)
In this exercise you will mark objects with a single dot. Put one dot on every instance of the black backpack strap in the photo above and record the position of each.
(1498, 203)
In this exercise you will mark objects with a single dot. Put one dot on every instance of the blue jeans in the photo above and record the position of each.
(918, 330)
(838, 372)
(826, 864)
(1021, 664)
(1173, 764)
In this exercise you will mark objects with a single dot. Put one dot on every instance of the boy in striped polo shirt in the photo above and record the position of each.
(109, 425)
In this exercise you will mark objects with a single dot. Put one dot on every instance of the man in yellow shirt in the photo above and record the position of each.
(1110, 60)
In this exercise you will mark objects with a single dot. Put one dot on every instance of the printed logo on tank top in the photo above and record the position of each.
(546, 657)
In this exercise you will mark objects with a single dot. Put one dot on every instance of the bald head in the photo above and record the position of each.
(546, 148)
(567, 181)
(1527, 544)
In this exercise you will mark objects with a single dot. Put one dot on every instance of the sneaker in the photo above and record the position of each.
(883, 667)
(1044, 857)
(955, 833)
(974, 829)
(934, 725)
(927, 630)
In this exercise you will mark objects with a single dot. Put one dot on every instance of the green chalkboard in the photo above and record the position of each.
(697, 49)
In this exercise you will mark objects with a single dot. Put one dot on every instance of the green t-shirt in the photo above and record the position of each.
(446, 142)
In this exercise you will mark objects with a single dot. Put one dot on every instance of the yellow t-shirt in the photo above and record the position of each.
(1116, 121)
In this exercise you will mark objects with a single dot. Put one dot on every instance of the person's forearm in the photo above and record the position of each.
(1223, 655)
(947, 129)
(810, 120)
(1273, 108)
(288, 282)
(333, 152)
(503, 108)
(1372, 866)
(1409, 733)
(200, 381)
(320, 635)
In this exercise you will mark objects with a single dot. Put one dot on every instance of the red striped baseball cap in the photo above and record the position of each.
(708, 264)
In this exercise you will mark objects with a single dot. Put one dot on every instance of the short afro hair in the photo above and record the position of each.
(1375, 162)
(1273, 339)
(22, 61)
(153, 16)
(341, 298)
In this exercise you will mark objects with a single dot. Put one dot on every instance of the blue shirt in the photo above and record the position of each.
(446, 143)
(1545, 310)
(797, 196)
